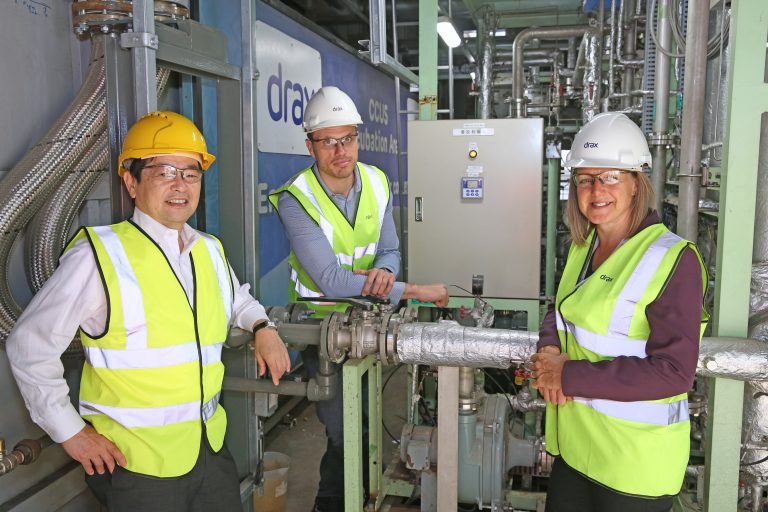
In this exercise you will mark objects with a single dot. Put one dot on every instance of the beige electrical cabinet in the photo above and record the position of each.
(474, 204)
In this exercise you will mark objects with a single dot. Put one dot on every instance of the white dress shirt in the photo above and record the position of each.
(74, 297)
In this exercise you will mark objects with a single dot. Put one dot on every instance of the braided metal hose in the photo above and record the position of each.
(47, 233)
(40, 172)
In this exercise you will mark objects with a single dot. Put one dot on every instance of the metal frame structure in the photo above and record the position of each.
(199, 51)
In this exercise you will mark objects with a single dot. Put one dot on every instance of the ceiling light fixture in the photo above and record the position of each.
(448, 32)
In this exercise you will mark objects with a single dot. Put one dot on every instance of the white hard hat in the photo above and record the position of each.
(330, 107)
(610, 140)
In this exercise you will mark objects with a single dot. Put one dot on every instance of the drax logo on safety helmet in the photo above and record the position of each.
(328, 108)
(610, 140)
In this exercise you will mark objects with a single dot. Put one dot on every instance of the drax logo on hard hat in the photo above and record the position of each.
(590, 145)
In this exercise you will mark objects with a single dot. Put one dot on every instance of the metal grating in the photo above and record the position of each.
(649, 72)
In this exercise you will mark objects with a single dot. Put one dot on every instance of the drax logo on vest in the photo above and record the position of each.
(286, 98)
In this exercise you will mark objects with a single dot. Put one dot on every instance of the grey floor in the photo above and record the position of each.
(302, 437)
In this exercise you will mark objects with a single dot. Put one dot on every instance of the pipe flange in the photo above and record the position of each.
(115, 15)
(166, 12)
(666, 140)
(328, 337)
(299, 312)
(383, 333)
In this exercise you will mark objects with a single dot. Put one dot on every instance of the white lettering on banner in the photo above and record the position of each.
(377, 111)
(377, 142)
(290, 72)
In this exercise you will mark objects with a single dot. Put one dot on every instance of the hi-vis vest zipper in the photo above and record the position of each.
(152, 381)
(353, 243)
(642, 447)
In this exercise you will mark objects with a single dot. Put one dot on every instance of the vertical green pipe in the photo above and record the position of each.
(427, 60)
(553, 200)
(747, 103)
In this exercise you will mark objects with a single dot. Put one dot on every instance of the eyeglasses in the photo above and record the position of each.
(331, 142)
(168, 172)
(606, 178)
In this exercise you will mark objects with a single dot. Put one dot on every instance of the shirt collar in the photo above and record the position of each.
(356, 187)
(163, 234)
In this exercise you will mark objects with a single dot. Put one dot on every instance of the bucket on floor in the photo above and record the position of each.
(273, 498)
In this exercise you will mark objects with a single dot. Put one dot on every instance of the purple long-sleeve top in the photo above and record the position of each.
(672, 348)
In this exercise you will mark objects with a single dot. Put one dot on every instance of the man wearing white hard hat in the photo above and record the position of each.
(337, 215)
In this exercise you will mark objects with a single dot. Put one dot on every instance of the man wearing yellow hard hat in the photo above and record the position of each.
(152, 300)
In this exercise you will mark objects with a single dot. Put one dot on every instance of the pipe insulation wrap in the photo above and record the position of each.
(755, 429)
(733, 358)
(450, 344)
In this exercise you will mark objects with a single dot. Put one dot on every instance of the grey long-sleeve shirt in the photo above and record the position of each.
(672, 348)
(316, 254)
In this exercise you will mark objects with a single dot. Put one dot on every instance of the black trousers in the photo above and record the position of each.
(570, 491)
(212, 484)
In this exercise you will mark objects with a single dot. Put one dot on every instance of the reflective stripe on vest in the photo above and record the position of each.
(99, 357)
(633, 290)
(654, 413)
(302, 184)
(133, 317)
(151, 416)
(609, 346)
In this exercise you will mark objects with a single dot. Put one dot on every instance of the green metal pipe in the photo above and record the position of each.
(553, 200)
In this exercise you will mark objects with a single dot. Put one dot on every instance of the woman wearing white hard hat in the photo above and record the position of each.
(618, 351)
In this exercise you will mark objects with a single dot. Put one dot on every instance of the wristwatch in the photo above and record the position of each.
(261, 325)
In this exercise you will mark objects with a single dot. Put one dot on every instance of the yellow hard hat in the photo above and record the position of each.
(164, 133)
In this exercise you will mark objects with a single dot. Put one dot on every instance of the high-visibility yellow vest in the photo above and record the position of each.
(642, 447)
(353, 243)
(152, 380)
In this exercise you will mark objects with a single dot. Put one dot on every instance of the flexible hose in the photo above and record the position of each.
(40, 172)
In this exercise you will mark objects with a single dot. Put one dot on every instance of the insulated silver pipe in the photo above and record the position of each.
(591, 81)
(611, 45)
(522, 38)
(39, 173)
(689, 177)
(486, 68)
(661, 102)
(449, 344)
(760, 241)
(629, 43)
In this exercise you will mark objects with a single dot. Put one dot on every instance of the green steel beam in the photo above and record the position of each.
(427, 60)
(352, 374)
(747, 101)
(553, 201)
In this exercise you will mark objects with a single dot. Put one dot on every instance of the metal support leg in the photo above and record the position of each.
(352, 373)
(447, 437)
